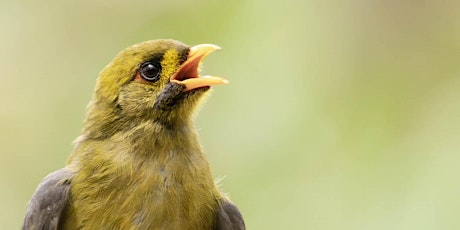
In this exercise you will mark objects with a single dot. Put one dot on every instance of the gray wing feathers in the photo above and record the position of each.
(48, 202)
(228, 217)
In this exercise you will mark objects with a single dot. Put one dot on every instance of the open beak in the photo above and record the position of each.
(188, 72)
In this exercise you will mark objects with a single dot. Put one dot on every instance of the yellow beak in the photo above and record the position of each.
(188, 72)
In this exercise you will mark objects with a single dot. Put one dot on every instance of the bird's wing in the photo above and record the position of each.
(48, 202)
(229, 217)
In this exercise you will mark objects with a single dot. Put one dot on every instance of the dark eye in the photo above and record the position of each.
(150, 71)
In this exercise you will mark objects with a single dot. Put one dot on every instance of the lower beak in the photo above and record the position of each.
(188, 72)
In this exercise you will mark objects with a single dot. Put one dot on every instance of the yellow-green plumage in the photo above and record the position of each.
(138, 163)
(156, 176)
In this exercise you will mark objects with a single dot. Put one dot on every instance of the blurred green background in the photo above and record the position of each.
(339, 115)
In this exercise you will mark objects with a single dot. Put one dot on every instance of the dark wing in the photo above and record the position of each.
(48, 202)
(228, 217)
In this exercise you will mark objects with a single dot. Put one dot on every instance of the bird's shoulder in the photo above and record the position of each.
(48, 201)
(228, 217)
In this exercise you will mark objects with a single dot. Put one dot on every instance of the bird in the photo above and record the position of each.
(138, 163)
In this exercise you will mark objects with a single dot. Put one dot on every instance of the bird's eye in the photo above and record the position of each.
(150, 71)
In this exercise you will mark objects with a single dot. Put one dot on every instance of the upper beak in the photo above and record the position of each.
(188, 72)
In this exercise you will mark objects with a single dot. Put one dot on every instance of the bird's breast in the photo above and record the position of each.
(163, 192)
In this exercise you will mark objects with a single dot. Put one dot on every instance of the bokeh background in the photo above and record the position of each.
(339, 115)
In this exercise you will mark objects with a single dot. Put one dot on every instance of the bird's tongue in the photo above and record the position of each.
(188, 75)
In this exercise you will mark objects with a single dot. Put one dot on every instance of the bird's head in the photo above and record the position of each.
(155, 80)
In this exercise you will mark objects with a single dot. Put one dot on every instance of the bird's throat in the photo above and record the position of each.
(163, 165)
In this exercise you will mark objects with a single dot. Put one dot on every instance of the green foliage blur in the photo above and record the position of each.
(338, 115)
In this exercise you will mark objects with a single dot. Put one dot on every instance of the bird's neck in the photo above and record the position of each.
(158, 163)
(104, 121)
(144, 139)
